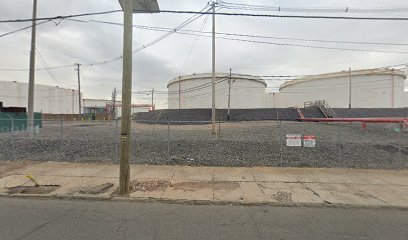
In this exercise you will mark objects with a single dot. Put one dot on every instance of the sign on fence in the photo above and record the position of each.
(309, 141)
(294, 140)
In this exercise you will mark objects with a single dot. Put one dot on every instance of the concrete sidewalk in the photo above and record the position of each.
(212, 185)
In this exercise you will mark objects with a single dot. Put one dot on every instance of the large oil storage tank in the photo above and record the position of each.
(47, 99)
(369, 88)
(195, 91)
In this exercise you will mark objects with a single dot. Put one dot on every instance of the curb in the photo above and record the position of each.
(201, 202)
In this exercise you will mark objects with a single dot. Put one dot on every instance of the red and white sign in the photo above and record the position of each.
(294, 140)
(309, 141)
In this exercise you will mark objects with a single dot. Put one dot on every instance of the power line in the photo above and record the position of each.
(291, 16)
(202, 34)
(217, 13)
(230, 5)
(47, 68)
(151, 43)
(22, 29)
(192, 47)
(59, 17)
(185, 23)
(162, 29)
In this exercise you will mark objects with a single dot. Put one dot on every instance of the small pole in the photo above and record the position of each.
(214, 131)
(114, 102)
(79, 87)
(393, 89)
(229, 95)
(168, 139)
(349, 88)
(31, 80)
(152, 99)
(179, 94)
(62, 139)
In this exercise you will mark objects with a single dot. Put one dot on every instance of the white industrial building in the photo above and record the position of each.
(195, 91)
(47, 99)
(371, 88)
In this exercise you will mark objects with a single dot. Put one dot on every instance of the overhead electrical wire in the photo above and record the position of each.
(203, 34)
(202, 12)
(199, 13)
(47, 68)
(24, 28)
(59, 17)
(151, 43)
(165, 29)
(185, 23)
(241, 6)
(192, 47)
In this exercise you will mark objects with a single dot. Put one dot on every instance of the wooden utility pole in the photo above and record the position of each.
(124, 178)
(79, 87)
(229, 94)
(31, 78)
(214, 130)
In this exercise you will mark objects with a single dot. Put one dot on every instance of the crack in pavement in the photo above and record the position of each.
(45, 224)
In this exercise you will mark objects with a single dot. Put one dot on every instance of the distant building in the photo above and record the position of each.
(104, 106)
(47, 99)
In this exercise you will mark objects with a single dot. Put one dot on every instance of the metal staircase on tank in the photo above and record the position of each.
(324, 107)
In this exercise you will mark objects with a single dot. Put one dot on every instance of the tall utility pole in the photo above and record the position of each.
(349, 88)
(229, 95)
(79, 86)
(31, 79)
(124, 176)
(152, 99)
(214, 131)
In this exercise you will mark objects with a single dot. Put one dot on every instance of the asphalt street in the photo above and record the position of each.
(67, 219)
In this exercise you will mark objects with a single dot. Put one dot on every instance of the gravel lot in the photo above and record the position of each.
(238, 144)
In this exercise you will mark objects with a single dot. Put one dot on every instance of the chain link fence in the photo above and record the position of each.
(247, 143)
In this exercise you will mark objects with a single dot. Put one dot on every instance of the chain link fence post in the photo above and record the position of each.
(168, 140)
(116, 140)
(62, 139)
(280, 137)
(401, 130)
(13, 140)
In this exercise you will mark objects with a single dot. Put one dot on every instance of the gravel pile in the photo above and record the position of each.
(238, 144)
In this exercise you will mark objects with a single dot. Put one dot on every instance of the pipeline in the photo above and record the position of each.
(362, 120)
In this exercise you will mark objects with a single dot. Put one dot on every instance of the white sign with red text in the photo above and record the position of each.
(294, 140)
(309, 141)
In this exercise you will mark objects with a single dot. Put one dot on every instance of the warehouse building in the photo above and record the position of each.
(48, 99)
(195, 91)
(370, 88)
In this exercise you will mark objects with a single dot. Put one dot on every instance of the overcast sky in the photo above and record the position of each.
(68, 42)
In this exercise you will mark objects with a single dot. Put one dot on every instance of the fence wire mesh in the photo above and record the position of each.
(246, 143)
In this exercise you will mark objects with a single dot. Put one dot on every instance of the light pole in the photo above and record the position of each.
(129, 7)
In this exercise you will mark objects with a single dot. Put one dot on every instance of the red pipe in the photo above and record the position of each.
(373, 120)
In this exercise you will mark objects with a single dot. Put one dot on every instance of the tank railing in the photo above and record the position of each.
(324, 107)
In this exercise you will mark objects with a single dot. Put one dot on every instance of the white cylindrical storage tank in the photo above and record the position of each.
(371, 88)
(195, 91)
